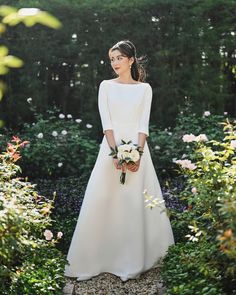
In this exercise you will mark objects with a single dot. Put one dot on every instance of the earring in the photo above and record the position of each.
(130, 66)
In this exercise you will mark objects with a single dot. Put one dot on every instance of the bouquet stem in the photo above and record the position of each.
(123, 174)
(122, 177)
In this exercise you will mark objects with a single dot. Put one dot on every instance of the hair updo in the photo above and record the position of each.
(128, 49)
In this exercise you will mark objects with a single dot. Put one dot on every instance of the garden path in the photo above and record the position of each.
(108, 284)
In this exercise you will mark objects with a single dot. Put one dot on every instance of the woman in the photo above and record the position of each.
(115, 231)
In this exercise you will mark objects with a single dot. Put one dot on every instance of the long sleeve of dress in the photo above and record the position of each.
(104, 108)
(145, 112)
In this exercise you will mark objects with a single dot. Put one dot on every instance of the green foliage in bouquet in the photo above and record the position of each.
(29, 261)
(203, 261)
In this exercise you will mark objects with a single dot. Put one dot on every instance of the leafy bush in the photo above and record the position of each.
(166, 145)
(208, 258)
(59, 146)
(24, 217)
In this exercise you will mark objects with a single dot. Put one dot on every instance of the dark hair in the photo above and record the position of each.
(128, 49)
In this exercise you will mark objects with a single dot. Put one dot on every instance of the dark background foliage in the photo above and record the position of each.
(190, 47)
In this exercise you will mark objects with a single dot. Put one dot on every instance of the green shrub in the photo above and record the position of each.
(167, 145)
(24, 217)
(209, 222)
(58, 147)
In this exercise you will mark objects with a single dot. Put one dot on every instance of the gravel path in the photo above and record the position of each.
(108, 284)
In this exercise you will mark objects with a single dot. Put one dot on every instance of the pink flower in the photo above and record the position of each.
(189, 137)
(186, 164)
(48, 234)
(194, 190)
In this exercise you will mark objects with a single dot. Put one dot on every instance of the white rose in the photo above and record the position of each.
(134, 155)
(201, 137)
(124, 147)
(206, 113)
(60, 164)
(69, 116)
(89, 125)
(122, 155)
(61, 116)
(40, 135)
(64, 132)
(54, 133)
(29, 100)
(157, 147)
(48, 234)
(78, 120)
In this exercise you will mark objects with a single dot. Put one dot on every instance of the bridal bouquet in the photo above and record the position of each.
(126, 152)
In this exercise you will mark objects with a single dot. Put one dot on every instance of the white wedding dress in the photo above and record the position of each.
(115, 232)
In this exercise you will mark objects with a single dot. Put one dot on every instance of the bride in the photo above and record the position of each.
(116, 232)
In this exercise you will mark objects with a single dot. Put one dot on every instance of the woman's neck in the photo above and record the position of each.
(125, 78)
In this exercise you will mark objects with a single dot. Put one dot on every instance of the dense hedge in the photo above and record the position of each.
(190, 46)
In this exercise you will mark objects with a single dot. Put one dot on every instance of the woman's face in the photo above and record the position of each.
(119, 62)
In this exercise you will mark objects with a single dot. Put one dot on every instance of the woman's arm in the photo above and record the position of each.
(111, 142)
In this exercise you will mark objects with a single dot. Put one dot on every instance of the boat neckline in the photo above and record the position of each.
(125, 83)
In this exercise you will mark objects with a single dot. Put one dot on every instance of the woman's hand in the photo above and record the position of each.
(116, 163)
(133, 166)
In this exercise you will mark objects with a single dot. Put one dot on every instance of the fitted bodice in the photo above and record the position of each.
(125, 108)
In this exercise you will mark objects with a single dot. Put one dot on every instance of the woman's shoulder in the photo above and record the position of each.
(112, 81)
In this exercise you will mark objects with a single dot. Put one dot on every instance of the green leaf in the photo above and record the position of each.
(48, 20)
(13, 62)
(3, 51)
(6, 10)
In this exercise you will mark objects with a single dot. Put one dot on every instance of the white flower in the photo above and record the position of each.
(134, 155)
(28, 11)
(54, 133)
(40, 135)
(48, 234)
(61, 116)
(122, 155)
(78, 120)
(64, 132)
(157, 147)
(89, 125)
(189, 137)
(170, 133)
(69, 116)
(233, 144)
(184, 156)
(194, 190)
(225, 113)
(201, 137)
(124, 147)
(60, 164)
(29, 100)
(59, 235)
(206, 113)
